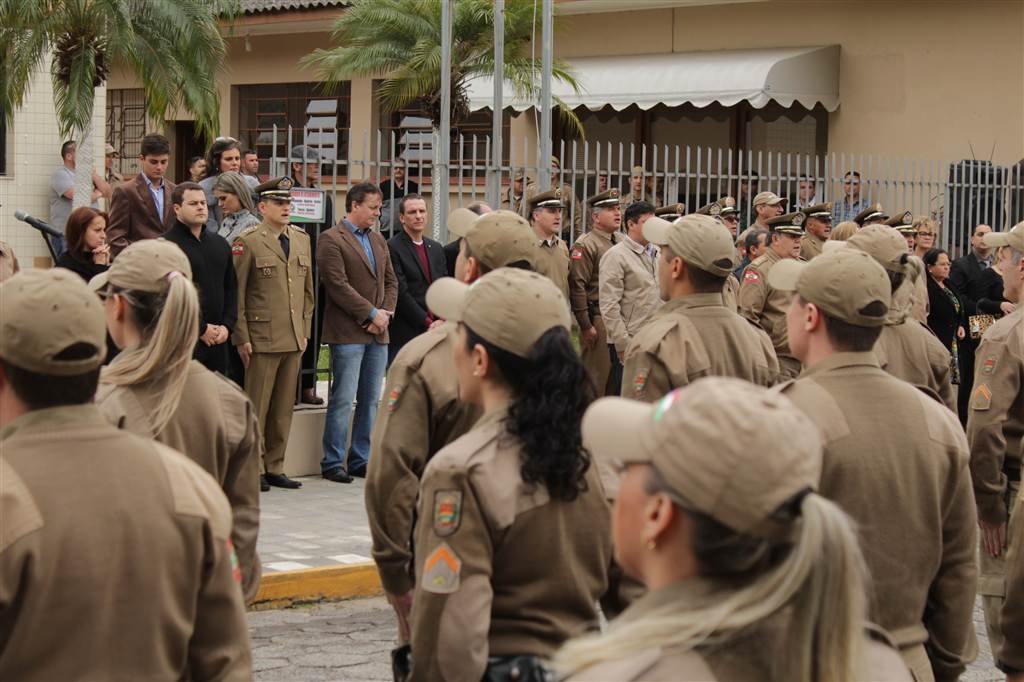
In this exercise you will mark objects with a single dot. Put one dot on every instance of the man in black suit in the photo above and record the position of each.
(451, 250)
(418, 261)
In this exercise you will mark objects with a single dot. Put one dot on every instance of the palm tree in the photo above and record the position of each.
(173, 46)
(400, 41)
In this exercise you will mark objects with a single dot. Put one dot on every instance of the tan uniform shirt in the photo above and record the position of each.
(502, 568)
(584, 267)
(1011, 620)
(693, 337)
(627, 291)
(422, 413)
(552, 261)
(275, 294)
(995, 425)
(909, 350)
(115, 558)
(897, 462)
(215, 426)
(811, 246)
(731, 293)
(766, 307)
(746, 656)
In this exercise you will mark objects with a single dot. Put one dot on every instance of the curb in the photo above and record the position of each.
(330, 583)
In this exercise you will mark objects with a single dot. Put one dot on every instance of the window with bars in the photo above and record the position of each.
(126, 126)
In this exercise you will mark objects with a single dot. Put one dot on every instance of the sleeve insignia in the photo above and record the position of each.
(237, 249)
(393, 397)
(982, 398)
(577, 254)
(989, 365)
(441, 571)
(639, 381)
(751, 275)
(447, 512)
(236, 570)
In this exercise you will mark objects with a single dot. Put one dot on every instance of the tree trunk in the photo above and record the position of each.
(83, 166)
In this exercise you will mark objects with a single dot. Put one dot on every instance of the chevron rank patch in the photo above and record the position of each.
(447, 511)
(982, 398)
(441, 571)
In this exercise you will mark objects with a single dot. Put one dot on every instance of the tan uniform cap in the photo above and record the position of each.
(884, 244)
(712, 209)
(699, 240)
(42, 312)
(846, 283)
(496, 238)
(870, 213)
(605, 199)
(728, 205)
(770, 198)
(278, 188)
(1014, 238)
(788, 223)
(146, 265)
(821, 212)
(726, 448)
(670, 212)
(508, 307)
(550, 199)
(904, 222)
(636, 170)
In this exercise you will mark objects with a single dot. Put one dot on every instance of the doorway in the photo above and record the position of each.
(187, 145)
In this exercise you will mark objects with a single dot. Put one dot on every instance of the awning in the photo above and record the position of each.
(807, 75)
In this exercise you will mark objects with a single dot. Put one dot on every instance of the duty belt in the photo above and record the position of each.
(594, 308)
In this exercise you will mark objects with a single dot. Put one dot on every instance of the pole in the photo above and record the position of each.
(544, 157)
(497, 147)
(441, 154)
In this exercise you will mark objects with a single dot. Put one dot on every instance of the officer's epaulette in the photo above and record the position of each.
(248, 230)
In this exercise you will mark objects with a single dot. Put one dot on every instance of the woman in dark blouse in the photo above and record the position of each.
(88, 253)
(947, 314)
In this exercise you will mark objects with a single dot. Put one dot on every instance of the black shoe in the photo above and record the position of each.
(264, 486)
(358, 472)
(339, 476)
(282, 481)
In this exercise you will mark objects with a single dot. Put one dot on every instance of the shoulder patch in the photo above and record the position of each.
(236, 570)
(989, 365)
(752, 276)
(639, 381)
(393, 397)
(577, 253)
(982, 398)
(237, 249)
(447, 512)
(441, 571)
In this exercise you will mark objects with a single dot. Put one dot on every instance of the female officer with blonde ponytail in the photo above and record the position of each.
(153, 388)
(751, 574)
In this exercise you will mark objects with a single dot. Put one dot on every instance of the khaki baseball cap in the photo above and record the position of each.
(1014, 238)
(496, 238)
(725, 447)
(770, 198)
(145, 265)
(698, 239)
(507, 307)
(43, 312)
(883, 243)
(846, 283)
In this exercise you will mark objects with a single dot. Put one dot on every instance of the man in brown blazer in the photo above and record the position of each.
(141, 208)
(362, 291)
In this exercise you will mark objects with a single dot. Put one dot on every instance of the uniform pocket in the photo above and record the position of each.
(266, 267)
(258, 322)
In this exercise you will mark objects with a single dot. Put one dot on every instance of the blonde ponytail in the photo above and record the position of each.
(170, 328)
(822, 575)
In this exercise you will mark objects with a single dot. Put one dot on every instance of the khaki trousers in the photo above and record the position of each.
(270, 382)
(596, 360)
(992, 575)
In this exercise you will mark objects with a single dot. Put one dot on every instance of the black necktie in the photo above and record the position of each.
(285, 245)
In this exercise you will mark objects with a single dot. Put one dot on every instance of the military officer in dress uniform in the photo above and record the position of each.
(552, 258)
(584, 272)
(871, 215)
(275, 314)
(423, 412)
(572, 210)
(916, 295)
(817, 228)
(895, 460)
(763, 304)
(995, 430)
(115, 553)
(694, 334)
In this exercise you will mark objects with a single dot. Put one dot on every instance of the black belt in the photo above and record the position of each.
(594, 308)
(526, 668)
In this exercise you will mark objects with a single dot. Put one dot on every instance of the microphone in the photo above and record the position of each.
(36, 223)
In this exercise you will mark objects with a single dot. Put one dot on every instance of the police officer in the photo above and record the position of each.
(422, 411)
(724, 211)
(572, 211)
(584, 275)
(894, 459)
(115, 552)
(916, 295)
(275, 314)
(995, 427)
(552, 257)
(765, 305)
(156, 390)
(817, 228)
(694, 334)
(514, 535)
(753, 575)
(871, 215)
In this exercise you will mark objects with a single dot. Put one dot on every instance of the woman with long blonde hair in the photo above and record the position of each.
(751, 574)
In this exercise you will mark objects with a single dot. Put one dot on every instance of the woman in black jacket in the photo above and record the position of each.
(947, 314)
(88, 253)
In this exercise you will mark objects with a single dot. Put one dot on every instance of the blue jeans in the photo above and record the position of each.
(358, 372)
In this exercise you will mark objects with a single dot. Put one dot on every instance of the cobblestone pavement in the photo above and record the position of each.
(352, 640)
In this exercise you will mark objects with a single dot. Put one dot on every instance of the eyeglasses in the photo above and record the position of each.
(925, 234)
(732, 218)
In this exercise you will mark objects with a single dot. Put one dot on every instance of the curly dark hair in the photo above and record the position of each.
(552, 390)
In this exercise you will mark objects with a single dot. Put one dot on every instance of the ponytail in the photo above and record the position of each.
(169, 323)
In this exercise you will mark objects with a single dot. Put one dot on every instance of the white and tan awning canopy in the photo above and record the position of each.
(803, 75)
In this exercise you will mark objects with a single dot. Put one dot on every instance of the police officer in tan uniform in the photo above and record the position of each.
(894, 459)
(694, 334)
(552, 257)
(584, 273)
(763, 304)
(572, 210)
(155, 389)
(817, 228)
(422, 411)
(995, 431)
(115, 551)
(915, 296)
(275, 314)
(514, 535)
(711, 477)
(871, 215)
